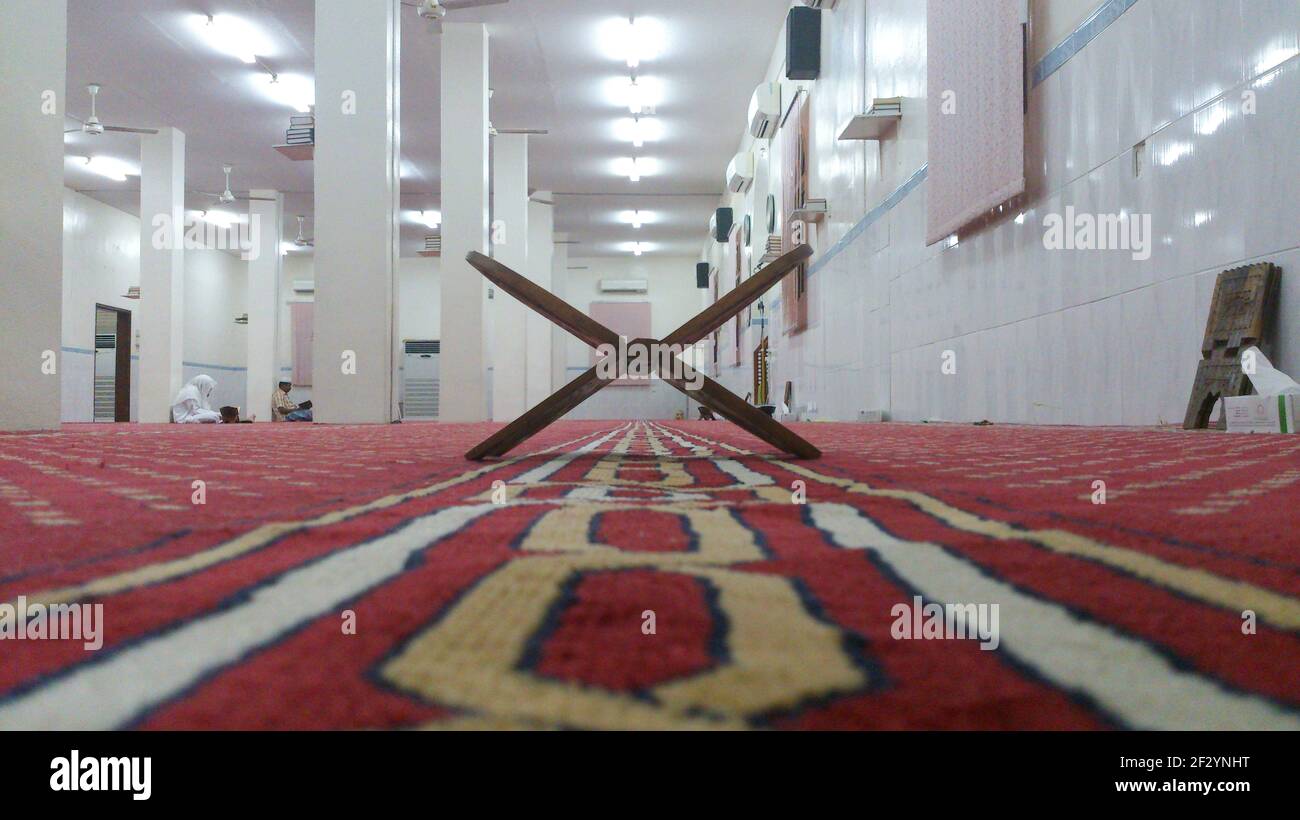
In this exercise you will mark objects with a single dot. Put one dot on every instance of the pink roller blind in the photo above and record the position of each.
(301, 318)
(975, 110)
(630, 319)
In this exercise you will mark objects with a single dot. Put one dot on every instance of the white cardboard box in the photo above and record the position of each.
(1261, 414)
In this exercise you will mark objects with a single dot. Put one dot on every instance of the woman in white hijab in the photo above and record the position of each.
(191, 405)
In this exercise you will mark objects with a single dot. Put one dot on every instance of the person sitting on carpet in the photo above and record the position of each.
(230, 415)
(286, 410)
(191, 405)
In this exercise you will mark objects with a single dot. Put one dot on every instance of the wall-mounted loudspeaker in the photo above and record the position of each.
(803, 44)
(702, 275)
(721, 223)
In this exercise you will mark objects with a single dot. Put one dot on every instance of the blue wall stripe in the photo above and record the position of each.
(872, 216)
(1087, 31)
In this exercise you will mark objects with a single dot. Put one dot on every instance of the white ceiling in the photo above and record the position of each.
(548, 71)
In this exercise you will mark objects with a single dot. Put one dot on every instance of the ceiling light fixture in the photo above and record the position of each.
(638, 248)
(634, 170)
(110, 167)
(632, 40)
(635, 97)
(638, 130)
(637, 218)
(294, 90)
(222, 219)
(429, 218)
(231, 35)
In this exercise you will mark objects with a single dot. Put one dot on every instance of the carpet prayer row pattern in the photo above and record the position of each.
(659, 575)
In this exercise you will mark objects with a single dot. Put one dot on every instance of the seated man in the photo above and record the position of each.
(286, 410)
(191, 405)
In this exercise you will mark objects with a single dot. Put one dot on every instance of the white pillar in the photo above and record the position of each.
(510, 211)
(541, 226)
(356, 166)
(560, 336)
(33, 41)
(464, 100)
(263, 300)
(162, 272)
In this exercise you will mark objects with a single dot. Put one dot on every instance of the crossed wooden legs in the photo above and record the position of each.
(709, 393)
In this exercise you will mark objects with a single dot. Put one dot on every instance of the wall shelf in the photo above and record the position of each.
(298, 153)
(878, 121)
(814, 210)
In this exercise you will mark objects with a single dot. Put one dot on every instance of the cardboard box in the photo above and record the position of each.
(1261, 414)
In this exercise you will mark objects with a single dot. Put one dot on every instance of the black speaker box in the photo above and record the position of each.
(702, 275)
(803, 44)
(723, 220)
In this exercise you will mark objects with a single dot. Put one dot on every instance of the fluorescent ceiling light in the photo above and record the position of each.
(636, 248)
(639, 96)
(232, 35)
(636, 218)
(222, 219)
(632, 41)
(638, 130)
(115, 169)
(430, 219)
(294, 90)
(636, 167)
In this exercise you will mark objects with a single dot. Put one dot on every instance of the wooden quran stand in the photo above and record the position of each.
(710, 394)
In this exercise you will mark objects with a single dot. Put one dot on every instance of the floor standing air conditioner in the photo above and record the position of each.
(420, 380)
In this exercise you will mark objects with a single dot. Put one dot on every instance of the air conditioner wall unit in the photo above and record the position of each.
(765, 110)
(304, 286)
(740, 173)
(624, 285)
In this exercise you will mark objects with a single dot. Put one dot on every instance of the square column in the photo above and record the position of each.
(541, 245)
(265, 265)
(510, 235)
(358, 83)
(33, 43)
(162, 272)
(464, 78)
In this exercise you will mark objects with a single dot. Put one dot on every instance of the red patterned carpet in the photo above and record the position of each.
(538, 612)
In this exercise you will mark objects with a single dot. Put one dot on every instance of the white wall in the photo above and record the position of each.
(1078, 337)
(101, 260)
(673, 299)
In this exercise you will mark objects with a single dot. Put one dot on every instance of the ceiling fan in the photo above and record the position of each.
(226, 197)
(302, 241)
(435, 10)
(94, 127)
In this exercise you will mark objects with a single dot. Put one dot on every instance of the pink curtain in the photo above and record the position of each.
(630, 319)
(975, 110)
(301, 319)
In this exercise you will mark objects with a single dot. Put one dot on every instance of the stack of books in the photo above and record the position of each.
(772, 251)
(302, 130)
(884, 106)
